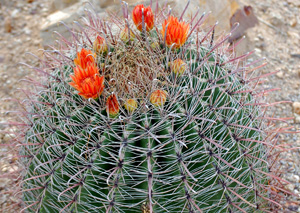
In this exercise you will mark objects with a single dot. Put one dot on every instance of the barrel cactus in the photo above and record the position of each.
(147, 113)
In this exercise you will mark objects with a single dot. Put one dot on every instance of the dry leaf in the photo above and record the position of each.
(8, 25)
(246, 18)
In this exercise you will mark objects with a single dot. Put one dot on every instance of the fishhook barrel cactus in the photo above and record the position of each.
(147, 113)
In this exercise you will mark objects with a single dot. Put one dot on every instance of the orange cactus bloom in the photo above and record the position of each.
(100, 45)
(87, 81)
(177, 32)
(158, 98)
(112, 106)
(84, 57)
(137, 16)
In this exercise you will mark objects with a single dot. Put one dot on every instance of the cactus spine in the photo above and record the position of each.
(154, 118)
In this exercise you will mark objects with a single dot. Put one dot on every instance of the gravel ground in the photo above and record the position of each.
(277, 38)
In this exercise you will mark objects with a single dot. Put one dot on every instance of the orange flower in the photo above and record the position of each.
(177, 32)
(112, 106)
(158, 98)
(178, 66)
(87, 81)
(99, 45)
(84, 57)
(137, 16)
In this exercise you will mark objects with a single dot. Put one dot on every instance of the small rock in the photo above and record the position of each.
(280, 74)
(12, 168)
(293, 35)
(297, 85)
(14, 13)
(296, 107)
(282, 162)
(293, 207)
(3, 182)
(276, 19)
(260, 37)
(293, 22)
(293, 178)
(295, 55)
(8, 137)
(290, 187)
(1, 59)
(27, 31)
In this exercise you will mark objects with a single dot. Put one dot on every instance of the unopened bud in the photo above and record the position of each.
(178, 66)
(112, 106)
(100, 45)
(158, 98)
(131, 105)
(155, 45)
(124, 35)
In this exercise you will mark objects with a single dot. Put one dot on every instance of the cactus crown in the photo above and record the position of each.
(149, 115)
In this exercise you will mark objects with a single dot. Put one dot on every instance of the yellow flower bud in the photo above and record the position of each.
(131, 105)
(158, 98)
(124, 35)
(155, 45)
(100, 45)
(178, 66)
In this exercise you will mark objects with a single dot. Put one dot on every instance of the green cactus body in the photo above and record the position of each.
(204, 149)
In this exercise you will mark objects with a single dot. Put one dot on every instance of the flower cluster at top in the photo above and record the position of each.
(87, 80)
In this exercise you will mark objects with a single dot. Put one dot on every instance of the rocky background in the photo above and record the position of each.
(27, 26)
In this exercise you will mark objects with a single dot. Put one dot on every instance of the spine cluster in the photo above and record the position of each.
(153, 117)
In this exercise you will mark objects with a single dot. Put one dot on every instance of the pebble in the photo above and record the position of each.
(293, 35)
(280, 74)
(290, 187)
(3, 182)
(293, 22)
(2, 126)
(293, 207)
(296, 108)
(293, 178)
(8, 137)
(14, 13)
(27, 31)
(258, 51)
(296, 118)
(276, 19)
(282, 162)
